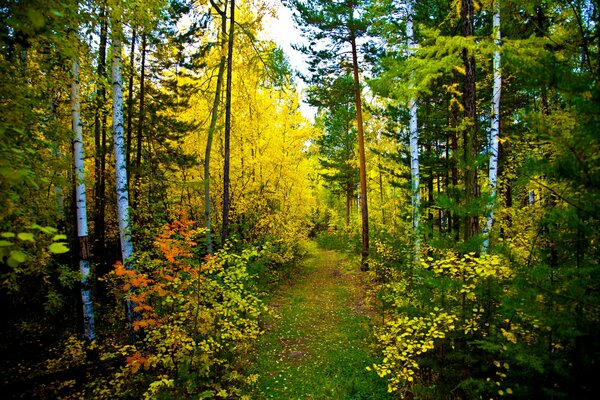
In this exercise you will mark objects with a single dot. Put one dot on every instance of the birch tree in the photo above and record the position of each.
(81, 207)
(120, 159)
(495, 124)
(414, 135)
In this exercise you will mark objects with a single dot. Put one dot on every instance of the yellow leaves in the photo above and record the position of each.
(509, 335)
(470, 268)
(156, 386)
(418, 336)
(460, 69)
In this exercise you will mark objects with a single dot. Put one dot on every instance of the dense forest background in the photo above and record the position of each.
(158, 178)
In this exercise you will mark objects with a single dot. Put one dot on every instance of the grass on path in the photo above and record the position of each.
(319, 348)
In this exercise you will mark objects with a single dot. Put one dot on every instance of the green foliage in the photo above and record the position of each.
(345, 240)
(21, 251)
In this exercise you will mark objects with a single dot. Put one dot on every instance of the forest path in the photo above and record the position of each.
(319, 347)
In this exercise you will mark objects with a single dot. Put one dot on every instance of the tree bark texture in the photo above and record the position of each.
(414, 139)
(81, 207)
(362, 159)
(121, 163)
(495, 124)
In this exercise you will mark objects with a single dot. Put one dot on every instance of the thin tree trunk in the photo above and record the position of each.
(455, 223)
(362, 159)
(430, 189)
(100, 140)
(225, 229)
(81, 205)
(495, 126)
(121, 165)
(140, 128)
(348, 206)
(130, 100)
(381, 190)
(471, 227)
(414, 141)
(212, 127)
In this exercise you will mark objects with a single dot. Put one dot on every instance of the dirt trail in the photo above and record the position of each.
(319, 347)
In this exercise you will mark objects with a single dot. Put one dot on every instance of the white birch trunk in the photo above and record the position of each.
(495, 125)
(121, 162)
(81, 205)
(414, 136)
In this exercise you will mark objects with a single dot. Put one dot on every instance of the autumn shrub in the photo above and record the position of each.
(196, 319)
(436, 322)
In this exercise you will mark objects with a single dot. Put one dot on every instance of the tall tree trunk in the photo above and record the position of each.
(471, 227)
(81, 205)
(100, 141)
(140, 128)
(130, 101)
(225, 229)
(414, 140)
(362, 159)
(348, 206)
(454, 175)
(121, 164)
(381, 194)
(495, 125)
(213, 125)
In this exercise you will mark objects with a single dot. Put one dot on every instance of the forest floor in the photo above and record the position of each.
(320, 344)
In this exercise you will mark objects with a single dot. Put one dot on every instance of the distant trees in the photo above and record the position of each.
(337, 145)
(338, 26)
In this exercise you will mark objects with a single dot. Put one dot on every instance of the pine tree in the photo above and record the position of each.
(338, 26)
(337, 145)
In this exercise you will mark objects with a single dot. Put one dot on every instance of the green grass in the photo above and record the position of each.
(319, 347)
